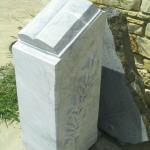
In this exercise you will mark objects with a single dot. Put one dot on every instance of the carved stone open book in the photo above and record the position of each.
(58, 71)
(59, 24)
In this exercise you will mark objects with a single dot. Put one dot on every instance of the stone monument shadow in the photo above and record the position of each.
(118, 114)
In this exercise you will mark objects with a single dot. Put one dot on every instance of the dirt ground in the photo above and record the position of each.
(15, 14)
(10, 137)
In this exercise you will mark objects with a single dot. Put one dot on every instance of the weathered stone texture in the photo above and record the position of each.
(144, 46)
(124, 51)
(139, 61)
(147, 33)
(135, 21)
(120, 98)
(146, 77)
(147, 65)
(130, 13)
(134, 45)
(137, 13)
(125, 4)
(145, 7)
(143, 16)
(135, 28)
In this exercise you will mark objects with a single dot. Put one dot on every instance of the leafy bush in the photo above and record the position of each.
(8, 94)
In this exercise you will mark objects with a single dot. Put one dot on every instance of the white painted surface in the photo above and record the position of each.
(58, 89)
(57, 25)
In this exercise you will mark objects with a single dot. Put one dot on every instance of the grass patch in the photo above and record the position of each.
(8, 94)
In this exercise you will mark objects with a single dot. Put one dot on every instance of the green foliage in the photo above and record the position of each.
(8, 94)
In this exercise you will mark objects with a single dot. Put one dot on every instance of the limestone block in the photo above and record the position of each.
(139, 62)
(146, 76)
(143, 16)
(147, 64)
(133, 42)
(125, 4)
(145, 7)
(135, 14)
(147, 32)
(135, 21)
(144, 46)
(135, 28)
(58, 72)
(130, 13)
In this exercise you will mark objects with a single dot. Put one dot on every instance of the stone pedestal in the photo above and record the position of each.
(58, 69)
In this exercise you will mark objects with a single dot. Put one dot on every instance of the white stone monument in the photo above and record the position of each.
(58, 69)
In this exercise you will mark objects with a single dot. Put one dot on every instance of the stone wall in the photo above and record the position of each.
(138, 17)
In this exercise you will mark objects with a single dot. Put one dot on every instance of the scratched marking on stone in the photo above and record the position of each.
(77, 109)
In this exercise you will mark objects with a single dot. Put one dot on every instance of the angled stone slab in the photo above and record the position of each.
(58, 71)
(119, 115)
